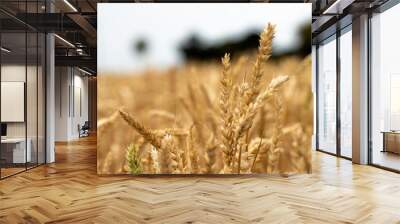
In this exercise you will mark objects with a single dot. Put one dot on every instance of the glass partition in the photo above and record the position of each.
(22, 77)
(32, 95)
(14, 153)
(346, 93)
(327, 95)
(41, 109)
(385, 89)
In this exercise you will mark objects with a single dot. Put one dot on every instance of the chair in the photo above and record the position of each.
(84, 130)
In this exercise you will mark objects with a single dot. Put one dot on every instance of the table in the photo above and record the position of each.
(391, 141)
(13, 150)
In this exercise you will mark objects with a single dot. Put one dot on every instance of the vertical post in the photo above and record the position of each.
(26, 87)
(50, 92)
(360, 90)
(0, 95)
(317, 76)
(315, 94)
(338, 81)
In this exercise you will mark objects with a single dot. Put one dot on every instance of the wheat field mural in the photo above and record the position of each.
(245, 113)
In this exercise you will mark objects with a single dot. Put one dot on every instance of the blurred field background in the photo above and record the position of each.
(182, 100)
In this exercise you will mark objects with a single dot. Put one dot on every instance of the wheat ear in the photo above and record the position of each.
(145, 132)
(246, 120)
(154, 156)
(148, 163)
(167, 164)
(133, 158)
(263, 54)
(226, 86)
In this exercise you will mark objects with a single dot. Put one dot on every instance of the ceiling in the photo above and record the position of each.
(75, 22)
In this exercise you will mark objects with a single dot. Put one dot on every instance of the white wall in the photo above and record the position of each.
(61, 103)
(71, 93)
(33, 127)
(12, 73)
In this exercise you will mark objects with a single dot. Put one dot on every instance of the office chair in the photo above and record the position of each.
(84, 130)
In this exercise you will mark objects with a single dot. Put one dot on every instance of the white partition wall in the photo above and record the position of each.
(71, 102)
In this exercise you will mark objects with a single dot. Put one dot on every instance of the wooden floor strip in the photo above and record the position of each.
(70, 191)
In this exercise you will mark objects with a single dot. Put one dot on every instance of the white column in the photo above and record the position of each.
(360, 90)
(314, 91)
(50, 92)
(50, 99)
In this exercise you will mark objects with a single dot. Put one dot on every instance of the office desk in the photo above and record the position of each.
(13, 150)
(391, 141)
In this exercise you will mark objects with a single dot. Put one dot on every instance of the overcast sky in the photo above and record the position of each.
(165, 26)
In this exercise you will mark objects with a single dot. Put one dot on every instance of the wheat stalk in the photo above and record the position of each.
(245, 122)
(194, 157)
(211, 148)
(276, 138)
(227, 133)
(102, 124)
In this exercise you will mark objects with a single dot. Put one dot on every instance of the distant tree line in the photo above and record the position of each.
(196, 49)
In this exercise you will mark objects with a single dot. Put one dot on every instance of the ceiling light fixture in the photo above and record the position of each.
(70, 5)
(64, 40)
(337, 7)
(5, 50)
(84, 71)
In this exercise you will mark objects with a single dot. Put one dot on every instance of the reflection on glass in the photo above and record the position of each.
(385, 86)
(41, 98)
(31, 101)
(346, 94)
(22, 91)
(14, 153)
(327, 96)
